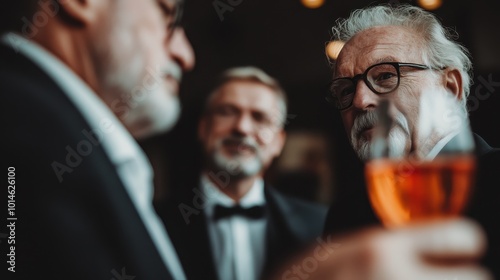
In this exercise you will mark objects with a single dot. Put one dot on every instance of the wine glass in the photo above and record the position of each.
(434, 180)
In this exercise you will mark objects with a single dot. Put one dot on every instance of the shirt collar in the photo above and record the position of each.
(213, 195)
(439, 146)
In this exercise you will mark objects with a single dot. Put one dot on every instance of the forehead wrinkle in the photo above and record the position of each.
(350, 67)
(373, 45)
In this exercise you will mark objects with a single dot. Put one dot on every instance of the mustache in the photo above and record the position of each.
(173, 70)
(370, 119)
(363, 122)
(242, 142)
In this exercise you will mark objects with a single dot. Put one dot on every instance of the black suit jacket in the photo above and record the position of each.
(84, 227)
(293, 224)
(351, 209)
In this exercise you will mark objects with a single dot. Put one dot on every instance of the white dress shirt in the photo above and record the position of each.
(129, 159)
(238, 242)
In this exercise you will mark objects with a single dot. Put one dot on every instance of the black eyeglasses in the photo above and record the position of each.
(380, 78)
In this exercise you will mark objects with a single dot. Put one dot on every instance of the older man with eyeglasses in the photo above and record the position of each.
(402, 55)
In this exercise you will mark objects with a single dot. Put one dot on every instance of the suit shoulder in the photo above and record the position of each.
(307, 206)
(310, 212)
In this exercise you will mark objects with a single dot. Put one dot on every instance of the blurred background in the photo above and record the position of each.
(289, 40)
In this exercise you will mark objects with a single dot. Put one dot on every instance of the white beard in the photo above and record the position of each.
(240, 166)
(134, 90)
(151, 107)
(398, 136)
(159, 112)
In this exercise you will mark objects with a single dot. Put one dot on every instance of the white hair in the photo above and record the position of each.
(441, 50)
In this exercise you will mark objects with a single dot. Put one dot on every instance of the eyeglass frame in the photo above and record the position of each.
(331, 96)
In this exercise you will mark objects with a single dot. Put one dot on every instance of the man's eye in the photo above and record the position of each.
(225, 111)
(346, 91)
(342, 92)
(385, 76)
(166, 9)
(262, 118)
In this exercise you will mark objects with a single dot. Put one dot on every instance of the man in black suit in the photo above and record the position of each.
(79, 81)
(403, 54)
(231, 224)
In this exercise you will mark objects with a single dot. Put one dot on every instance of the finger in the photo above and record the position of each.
(461, 273)
(453, 239)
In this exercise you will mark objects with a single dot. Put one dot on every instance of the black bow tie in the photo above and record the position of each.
(255, 212)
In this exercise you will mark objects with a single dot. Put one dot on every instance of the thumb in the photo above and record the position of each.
(451, 239)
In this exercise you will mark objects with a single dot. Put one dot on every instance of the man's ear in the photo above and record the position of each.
(453, 82)
(280, 140)
(84, 11)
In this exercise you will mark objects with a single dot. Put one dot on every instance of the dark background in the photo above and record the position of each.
(288, 40)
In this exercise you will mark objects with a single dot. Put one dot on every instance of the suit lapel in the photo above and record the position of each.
(282, 237)
(191, 240)
(481, 147)
(282, 210)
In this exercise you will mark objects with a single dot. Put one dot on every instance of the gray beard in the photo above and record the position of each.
(398, 137)
(396, 141)
(238, 167)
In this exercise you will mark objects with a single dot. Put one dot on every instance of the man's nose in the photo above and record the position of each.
(244, 125)
(180, 49)
(364, 98)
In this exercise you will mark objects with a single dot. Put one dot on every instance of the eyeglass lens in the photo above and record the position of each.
(381, 78)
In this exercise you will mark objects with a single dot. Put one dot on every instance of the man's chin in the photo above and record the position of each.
(237, 160)
(362, 150)
(154, 120)
(237, 166)
(156, 129)
(365, 135)
(396, 144)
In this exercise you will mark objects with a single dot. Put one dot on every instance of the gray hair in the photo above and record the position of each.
(441, 48)
(254, 74)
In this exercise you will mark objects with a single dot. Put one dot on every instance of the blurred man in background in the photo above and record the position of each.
(79, 81)
(405, 55)
(233, 225)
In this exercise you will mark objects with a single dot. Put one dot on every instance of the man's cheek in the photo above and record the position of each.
(348, 130)
(347, 121)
